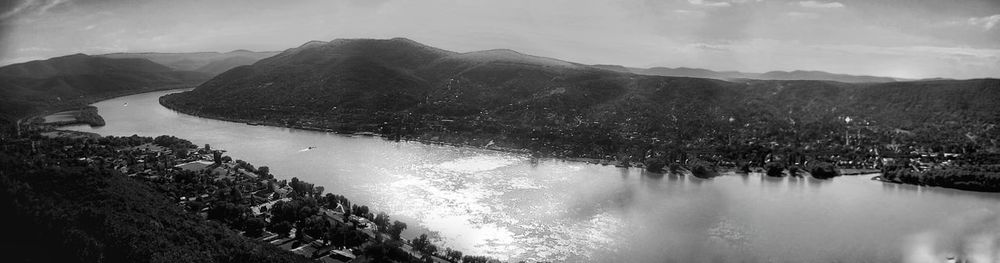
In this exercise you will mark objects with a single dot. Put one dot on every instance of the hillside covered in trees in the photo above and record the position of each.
(76, 80)
(62, 207)
(502, 98)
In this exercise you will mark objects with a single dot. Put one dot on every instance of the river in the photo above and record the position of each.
(515, 208)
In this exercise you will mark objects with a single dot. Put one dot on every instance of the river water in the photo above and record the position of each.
(515, 208)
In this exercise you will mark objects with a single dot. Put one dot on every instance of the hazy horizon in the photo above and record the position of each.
(895, 38)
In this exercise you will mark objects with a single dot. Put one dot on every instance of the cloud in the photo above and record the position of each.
(37, 7)
(16, 10)
(818, 4)
(709, 3)
(986, 22)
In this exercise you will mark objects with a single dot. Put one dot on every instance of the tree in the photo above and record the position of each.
(454, 254)
(315, 226)
(382, 221)
(420, 242)
(396, 229)
(281, 228)
(217, 157)
(430, 249)
(255, 227)
(345, 236)
(318, 191)
(655, 165)
(387, 251)
(774, 169)
(181, 153)
(227, 212)
(823, 170)
(195, 206)
(264, 172)
(363, 211)
(702, 169)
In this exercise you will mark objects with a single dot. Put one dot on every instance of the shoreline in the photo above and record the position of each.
(27, 120)
(883, 180)
(597, 161)
(382, 136)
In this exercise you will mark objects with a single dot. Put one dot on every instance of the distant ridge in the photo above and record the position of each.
(211, 63)
(71, 81)
(736, 75)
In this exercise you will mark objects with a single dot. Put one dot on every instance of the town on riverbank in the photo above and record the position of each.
(848, 147)
(292, 215)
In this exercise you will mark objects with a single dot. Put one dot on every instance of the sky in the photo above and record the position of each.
(897, 38)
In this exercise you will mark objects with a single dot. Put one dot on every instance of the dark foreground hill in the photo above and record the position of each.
(402, 88)
(75, 80)
(59, 208)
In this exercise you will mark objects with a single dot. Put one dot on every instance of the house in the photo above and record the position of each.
(340, 256)
(246, 173)
(195, 166)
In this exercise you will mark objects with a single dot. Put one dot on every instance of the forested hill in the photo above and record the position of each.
(60, 206)
(403, 87)
(75, 80)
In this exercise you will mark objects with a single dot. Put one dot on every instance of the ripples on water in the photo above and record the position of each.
(488, 204)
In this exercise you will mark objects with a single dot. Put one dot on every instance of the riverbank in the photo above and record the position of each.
(88, 116)
(859, 171)
(475, 141)
(978, 178)
(430, 141)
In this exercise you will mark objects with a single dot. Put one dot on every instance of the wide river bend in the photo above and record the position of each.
(515, 208)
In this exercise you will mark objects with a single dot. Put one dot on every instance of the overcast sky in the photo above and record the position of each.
(899, 38)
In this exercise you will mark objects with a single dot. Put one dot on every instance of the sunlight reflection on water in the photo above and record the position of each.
(475, 205)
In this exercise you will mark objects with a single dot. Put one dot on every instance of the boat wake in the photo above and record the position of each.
(307, 149)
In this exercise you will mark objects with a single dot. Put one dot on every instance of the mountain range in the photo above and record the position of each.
(401, 86)
(363, 84)
(736, 75)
